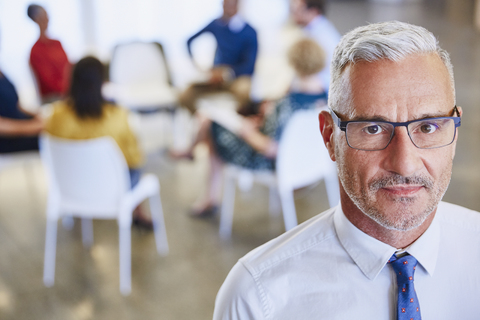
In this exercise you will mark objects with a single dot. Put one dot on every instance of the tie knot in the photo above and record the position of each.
(404, 267)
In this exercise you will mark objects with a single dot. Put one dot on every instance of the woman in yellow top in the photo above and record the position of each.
(86, 115)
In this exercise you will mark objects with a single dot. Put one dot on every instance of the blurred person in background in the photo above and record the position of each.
(234, 60)
(48, 60)
(310, 15)
(254, 144)
(19, 129)
(84, 114)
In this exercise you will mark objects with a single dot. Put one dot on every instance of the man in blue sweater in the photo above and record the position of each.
(234, 60)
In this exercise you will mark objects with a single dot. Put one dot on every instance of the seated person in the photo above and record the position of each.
(18, 129)
(86, 115)
(254, 144)
(234, 58)
(48, 60)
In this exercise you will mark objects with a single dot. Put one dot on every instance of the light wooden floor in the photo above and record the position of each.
(183, 285)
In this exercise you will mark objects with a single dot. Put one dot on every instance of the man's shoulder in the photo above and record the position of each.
(313, 233)
(459, 217)
(249, 29)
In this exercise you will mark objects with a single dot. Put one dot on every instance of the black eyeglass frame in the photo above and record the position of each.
(343, 126)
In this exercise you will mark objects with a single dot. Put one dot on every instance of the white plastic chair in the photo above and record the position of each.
(139, 77)
(302, 159)
(90, 179)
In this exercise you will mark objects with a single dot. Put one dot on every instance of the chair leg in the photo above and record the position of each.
(228, 202)
(125, 259)
(333, 189)
(87, 232)
(274, 207)
(289, 212)
(159, 225)
(68, 222)
(50, 252)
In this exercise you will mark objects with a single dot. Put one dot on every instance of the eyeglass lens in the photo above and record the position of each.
(425, 134)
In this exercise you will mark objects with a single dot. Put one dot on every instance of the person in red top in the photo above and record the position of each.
(48, 60)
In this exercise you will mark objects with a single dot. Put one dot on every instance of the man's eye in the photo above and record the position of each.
(428, 128)
(373, 129)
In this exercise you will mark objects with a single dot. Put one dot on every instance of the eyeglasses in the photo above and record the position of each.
(427, 133)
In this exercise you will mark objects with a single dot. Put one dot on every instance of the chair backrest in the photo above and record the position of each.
(302, 158)
(139, 62)
(88, 177)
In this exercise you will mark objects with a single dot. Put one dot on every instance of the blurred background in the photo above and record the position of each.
(183, 285)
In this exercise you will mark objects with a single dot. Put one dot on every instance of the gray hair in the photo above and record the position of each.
(392, 40)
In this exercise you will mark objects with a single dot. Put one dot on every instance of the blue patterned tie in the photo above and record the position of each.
(408, 307)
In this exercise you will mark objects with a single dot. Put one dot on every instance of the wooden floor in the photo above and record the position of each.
(184, 284)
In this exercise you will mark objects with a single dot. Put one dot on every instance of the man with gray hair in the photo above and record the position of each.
(391, 249)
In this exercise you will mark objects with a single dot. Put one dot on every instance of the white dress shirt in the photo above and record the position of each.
(326, 268)
(324, 33)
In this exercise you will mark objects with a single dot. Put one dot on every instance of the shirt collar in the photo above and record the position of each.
(371, 255)
(236, 23)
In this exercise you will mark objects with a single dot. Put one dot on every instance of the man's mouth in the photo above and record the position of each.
(403, 190)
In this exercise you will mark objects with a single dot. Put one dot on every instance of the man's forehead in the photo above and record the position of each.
(416, 86)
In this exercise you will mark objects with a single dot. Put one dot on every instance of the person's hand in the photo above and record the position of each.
(33, 126)
(249, 127)
(216, 76)
(256, 120)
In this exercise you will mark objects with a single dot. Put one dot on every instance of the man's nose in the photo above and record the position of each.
(402, 157)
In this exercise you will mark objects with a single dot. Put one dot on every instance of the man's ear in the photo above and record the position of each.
(460, 111)
(326, 129)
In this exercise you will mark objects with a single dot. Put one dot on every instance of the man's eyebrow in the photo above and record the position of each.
(372, 118)
(382, 118)
(433, 115)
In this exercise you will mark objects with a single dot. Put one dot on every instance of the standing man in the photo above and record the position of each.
(234, 60)
(48, 59)
(310, 15)
(391, 249)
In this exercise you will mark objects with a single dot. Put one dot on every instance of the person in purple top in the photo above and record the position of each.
(234, 60)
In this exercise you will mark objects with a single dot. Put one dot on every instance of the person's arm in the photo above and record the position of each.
(257, 140)
(196, 35)
(249, 56)
(20, 128)
(128, 142)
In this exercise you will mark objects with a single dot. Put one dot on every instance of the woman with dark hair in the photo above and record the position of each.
(86, 115)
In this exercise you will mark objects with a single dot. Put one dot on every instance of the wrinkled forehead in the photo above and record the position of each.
(396, 90)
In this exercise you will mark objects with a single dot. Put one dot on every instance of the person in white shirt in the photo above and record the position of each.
(391, 249)
(310, 15)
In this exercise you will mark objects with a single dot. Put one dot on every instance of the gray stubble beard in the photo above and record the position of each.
(405, 220)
